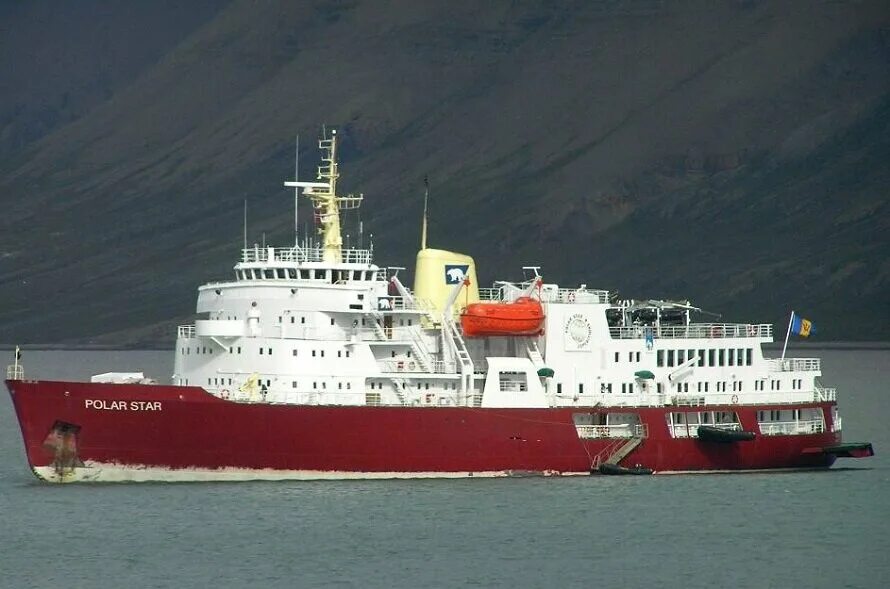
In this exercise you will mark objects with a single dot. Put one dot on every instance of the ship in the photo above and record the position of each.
(313, 362)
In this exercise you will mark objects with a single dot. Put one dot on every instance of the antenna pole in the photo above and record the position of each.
(426, 198)
(245, 223)
(297, 192)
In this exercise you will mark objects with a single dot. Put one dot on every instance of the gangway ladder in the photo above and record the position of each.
(618, 450)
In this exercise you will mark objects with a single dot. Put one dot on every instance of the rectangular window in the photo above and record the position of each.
(681, 357)
(711, 358)
(239, 349)
(313, 353)
(616, 356)
(332, 320)
(749, 357)
(659, 358)
(630, 388)
(302, 320)
(270, 351)
(294, 353)
(721, 357)
(701, 358)
(630, 356)
(294, 384)
(624, 388)
(559, 388)
(670, 357)
(292, 319)
(730, 356)
(261, 351)
(581, 389)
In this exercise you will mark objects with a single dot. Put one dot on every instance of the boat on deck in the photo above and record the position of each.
(524, 316)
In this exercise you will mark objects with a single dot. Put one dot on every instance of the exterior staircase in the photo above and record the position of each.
(620, 448)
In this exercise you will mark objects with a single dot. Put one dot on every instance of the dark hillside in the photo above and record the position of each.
(732, 152)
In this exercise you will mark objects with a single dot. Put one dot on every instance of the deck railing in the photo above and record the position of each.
(794, 365)
(563, 295)
(621, 430)
(792, 428)
(694, 331)
(825, 394)
(300, 254)
(15, 372)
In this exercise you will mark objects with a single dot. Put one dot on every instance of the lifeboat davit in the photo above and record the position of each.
(524, 316)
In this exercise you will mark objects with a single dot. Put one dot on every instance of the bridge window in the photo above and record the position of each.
(616, 356)
(670, 357)
(681, 357)
(701, 357)
(749, 357)
(659, 358)
(730, 357)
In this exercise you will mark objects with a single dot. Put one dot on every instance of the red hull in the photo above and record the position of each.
(187, 428)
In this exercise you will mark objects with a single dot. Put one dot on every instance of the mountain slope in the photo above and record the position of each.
(731, 152)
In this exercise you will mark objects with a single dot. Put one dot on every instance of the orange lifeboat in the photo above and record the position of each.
(524, 316)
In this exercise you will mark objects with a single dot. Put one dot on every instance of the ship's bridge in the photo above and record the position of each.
(307, 263)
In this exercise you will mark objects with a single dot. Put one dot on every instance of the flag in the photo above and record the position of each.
(802, 327)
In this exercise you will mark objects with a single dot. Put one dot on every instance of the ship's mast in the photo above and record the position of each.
(325, 201)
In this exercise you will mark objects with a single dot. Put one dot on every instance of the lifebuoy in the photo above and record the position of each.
(411, 365)
(735, 399)
(224, 393)
(571, 297)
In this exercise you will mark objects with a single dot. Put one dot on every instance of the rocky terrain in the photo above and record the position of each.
(735, 153)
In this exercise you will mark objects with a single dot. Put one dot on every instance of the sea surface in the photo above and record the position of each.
(802, 529)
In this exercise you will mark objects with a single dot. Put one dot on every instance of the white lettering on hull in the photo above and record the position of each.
(107, 405)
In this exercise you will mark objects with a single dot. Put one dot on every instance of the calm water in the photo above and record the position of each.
(817, 529)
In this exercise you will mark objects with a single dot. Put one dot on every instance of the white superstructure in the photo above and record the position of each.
(325, 326)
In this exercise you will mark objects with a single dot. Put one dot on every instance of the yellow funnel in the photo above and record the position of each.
(436, 274)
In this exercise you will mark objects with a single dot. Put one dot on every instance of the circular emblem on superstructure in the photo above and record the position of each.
(578, 329)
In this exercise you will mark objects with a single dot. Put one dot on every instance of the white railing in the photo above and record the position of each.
(794, 365)
(412, 366)
(15, 372)
(694, 331)
(397, 303)
(575, 295)
(489, 294)
(186, 331)
(836, 425)
(825, 394)
(300, 254)
(792, 428)
(622, 430)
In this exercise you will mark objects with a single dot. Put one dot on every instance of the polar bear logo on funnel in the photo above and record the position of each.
(455, 274)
